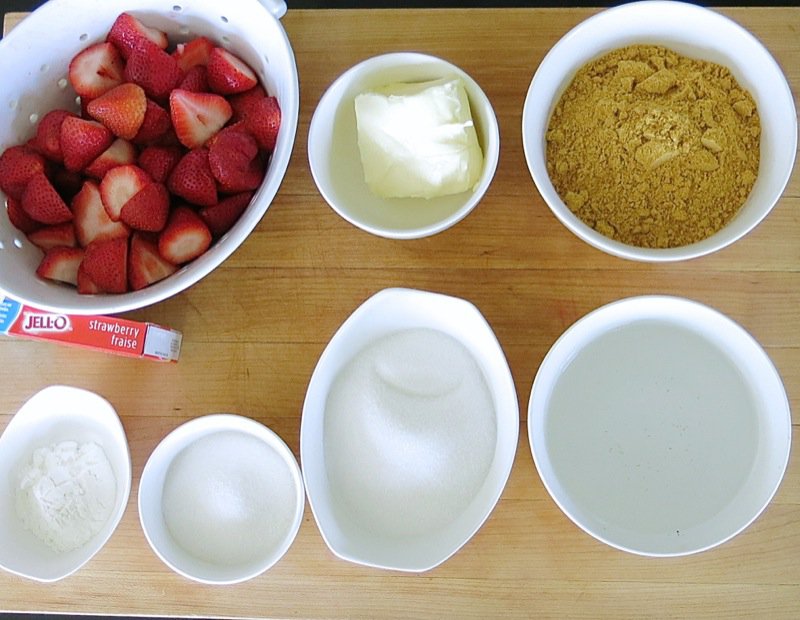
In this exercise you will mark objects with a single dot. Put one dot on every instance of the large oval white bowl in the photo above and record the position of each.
(659, 426)
(389, 311)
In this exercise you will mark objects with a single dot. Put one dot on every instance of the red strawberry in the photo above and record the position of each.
(120, 153)
(196, 117)
(221, 217)
(192, 179)
(18, 164)
(242, 103)
(119, 185)
(193, 53)
(54, 236)
(264, 121)
(154, 70)
(185, 237)
(17, 216)
(228, 74)
(91, 220)
(85, 284)
(48, 135)
(41, 202)
(95, 70)
(145, 265)
(159, 161)
(155, 125)
(82, 142)
(128, 34)
(105, 263)
(195, 80)
(120, 109)
(234, 162)
(61, 264)
(147, 209)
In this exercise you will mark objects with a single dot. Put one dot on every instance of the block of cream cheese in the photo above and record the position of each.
(418, 140)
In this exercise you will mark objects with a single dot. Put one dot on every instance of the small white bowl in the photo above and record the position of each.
(57, 413)
(659, 426)
(151, 495)
(389, 311)
(694, 32)
(335, 159)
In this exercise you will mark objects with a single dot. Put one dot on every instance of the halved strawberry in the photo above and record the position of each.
(193, 53)
(159, 161)
(221, 217)
(185, 236)
(264, 121)
(228, 74)
(242, 103)
(196, 117)
(82, 142)
(17, 216)
(192, 179)
(234, 161)
(128, 34)
(42, 202)
(48, 135)
(120, 153)
(106, 264)
(147, 209)
(155, 125)
(91, 219)
(53, 236)
(85, 284)
(119, 185)
(61, 264)
(18, 164)
(195, 80)
(95, 70)
(120, 109)
(154, 70)
(145, 265)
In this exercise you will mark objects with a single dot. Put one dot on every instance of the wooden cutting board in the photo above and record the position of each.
(254, 329)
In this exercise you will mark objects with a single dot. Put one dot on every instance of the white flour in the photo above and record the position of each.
(66, 493)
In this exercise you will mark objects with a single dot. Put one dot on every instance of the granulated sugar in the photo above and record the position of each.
(409, 434)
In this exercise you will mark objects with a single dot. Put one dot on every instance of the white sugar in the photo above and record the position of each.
(409, 434)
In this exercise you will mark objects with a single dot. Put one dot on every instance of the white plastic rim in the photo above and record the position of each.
(684, 28)
(33, 61)
(335, 159)
(151, 487)
(639, 455)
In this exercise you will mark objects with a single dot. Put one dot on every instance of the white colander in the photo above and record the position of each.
(34, 58)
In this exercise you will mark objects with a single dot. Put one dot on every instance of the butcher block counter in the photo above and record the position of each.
(255, 327)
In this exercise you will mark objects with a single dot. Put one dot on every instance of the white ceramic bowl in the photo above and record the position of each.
(335, 159)
(236, 492)
(659, 426)
(33, 61)
(692, 31)
(57, 413)
(389, 311)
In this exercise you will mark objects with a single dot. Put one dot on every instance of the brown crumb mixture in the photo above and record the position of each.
(652, 148)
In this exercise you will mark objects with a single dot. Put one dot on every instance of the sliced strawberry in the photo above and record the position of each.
(193, 53)
(192, 179)
(155, 125)
(17, 216)
(85, 284)
(154, 70)
(95, 70)
(234, 161)
(196, 117)
(91, 219)
(264, 122)
(229, 74)
(42, 202)
(185, 237)
(18, 164)
(48, 135)
(195, 80)
(128, 34)
(61, 264)
(120, 153)
(105, 263)
(120, 109)
(221, 217)
(119, 185)
(242, 103)
(145, 265)
(159, 161)
(147, 209)
(57, 235)
(82, 142)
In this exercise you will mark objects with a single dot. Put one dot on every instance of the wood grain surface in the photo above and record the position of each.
(254, 329)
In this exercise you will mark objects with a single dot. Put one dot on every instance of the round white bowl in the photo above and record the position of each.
(694, 32)
(33, 61)
(151, 488)
(335, 159)
(57, 413)
(386, 312)
(659, 426)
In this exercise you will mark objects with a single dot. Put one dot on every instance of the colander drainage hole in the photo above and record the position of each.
(224, 19)
(18, 242)
(177, 8)
(44, 68)
(83, 37)
(33, 118)
(62, 83)
(12, 105)
(2, 245)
